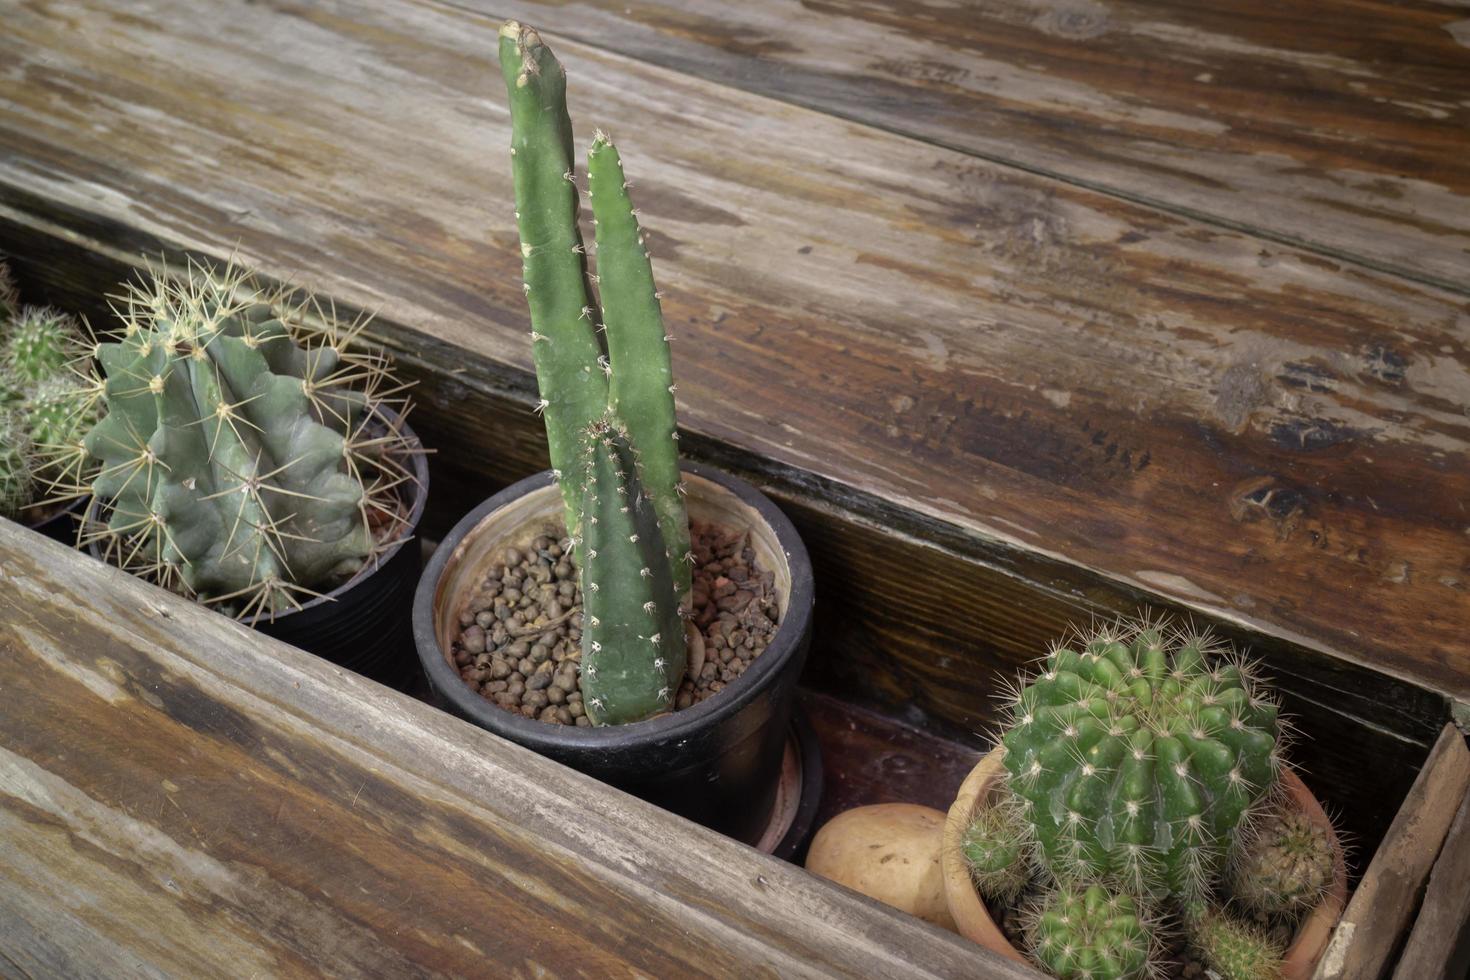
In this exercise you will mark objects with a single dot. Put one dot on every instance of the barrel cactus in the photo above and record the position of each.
(1139, 755)
(242, 458)
(606, 394)
(1086, 932)
(17, 481)
(1234, 950)
(1284, 865)
(40, 342)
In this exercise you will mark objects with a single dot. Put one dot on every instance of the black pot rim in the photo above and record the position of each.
(765, 669)
(420, 488)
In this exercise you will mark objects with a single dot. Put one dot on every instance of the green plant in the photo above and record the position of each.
(998, 849)
(1086, 932)
(16, 479)
(1284, 865)
(40, 342)
(9, 294)
(1233, 949)
(242, 458)
(1137, 757)
(603, 369)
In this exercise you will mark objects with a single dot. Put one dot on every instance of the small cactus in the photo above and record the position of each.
(1233, 949)
(9, 294)
(1139, 754)
(39, 344)
(57, 412)
(1086, 932)
(603, 369)
(16, 480)
(240, 457)
(997, 847)
(1284, 865)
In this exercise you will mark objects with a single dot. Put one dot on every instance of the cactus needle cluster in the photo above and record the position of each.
(1142, 786)
(244, 458)
(45, 399)
(606, 394)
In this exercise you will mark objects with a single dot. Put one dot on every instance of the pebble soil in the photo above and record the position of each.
(519, 644)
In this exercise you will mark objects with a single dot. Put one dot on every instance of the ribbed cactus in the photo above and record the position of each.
(1284, 865)
(1234, 950)
(603, 369)
(239, 457)
(1086, 932)
(39, 344)
(1138, 757)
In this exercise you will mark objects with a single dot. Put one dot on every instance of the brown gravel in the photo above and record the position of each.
(520, 636)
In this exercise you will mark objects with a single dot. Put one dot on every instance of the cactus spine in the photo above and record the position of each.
(603, 368)
(1139, 758)
(1233, 949)
(40, 343)
(997, 847)
(1284, 865)
(16, 479)
(236, 455)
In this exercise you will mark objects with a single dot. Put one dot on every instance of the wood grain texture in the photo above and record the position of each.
(181, 796)
(1340, 129)
(1439, 945)
(1251, 431)
(912, 621)
(1374, 924)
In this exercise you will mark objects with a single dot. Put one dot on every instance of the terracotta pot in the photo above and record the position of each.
(973, 921)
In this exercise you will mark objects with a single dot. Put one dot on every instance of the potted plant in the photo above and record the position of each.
(581, 612)
(44, 401)
(250, 455)
(1138, 808)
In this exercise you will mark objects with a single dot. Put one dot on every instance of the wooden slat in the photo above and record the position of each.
(181, 796)
(1377, 917)
(910, 621)
(1045, 373)
(1344, 129)
(1439, 945)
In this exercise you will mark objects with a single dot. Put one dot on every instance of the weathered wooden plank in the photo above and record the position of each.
(181, 796)
(1439, 945)
(1254, 432)
(1376, 919)
(1343, 130)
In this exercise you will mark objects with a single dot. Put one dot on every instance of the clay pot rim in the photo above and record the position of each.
(972, 917)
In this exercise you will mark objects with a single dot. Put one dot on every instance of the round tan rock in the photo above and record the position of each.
(890, 852)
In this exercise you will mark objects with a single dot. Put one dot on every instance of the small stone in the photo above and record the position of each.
(515, 688)
(575, 709)
(499, 669)
(485, 620)
(466, 618)
(525, 666)
(512, 557)
(583, 721)
(556, 695)
(473, 639)
(548, 714)
(564, 716)
(535, 699)
(461, 658)
(541, 543)
(495, 687)
(540, 653)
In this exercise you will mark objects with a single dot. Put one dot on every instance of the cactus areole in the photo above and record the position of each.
(607, 394)
(1136, 757)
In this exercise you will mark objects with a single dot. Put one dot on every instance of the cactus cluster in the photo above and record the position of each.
(243, 458)
(606, 394)
(44, 399)
(1143, 762)
(1085, 932)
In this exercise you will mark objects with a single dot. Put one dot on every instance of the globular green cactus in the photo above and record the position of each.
(1138, 756)
(632, 667)
(1284, 865)
(57, 412)
(241, 458)
(1234, 950)
(1086, 932)
(602, 364)
(998, 849)
(16, 480)
(39, 343)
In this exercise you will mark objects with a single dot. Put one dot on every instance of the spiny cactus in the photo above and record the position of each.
(1234, 950)
(997, 846)
(603, 366)
(633, 667)
(1139, 757)
(9, 294)
(39, 343)
(57, 412)
(240, 457)
(1284, 865)
(1086, 932)
(16, 480)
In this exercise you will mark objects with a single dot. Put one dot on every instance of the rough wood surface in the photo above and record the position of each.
(1372, 930)
(1250, 430)
(181, 796)
(1340, 127)
(1439, 945)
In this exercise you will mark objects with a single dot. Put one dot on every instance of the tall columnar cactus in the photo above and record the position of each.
(1086, 932)
(1139, 757)
(239, 456)
(603, 368)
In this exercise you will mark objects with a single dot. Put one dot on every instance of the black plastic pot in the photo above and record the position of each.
(365, 624)
(716, 762)
(59, 525)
